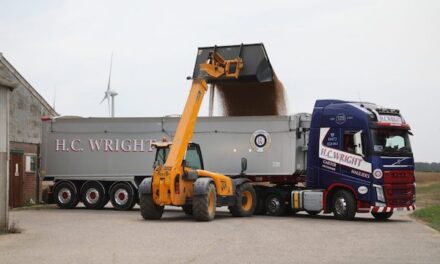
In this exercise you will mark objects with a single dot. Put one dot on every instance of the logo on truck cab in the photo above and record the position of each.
(341, 157)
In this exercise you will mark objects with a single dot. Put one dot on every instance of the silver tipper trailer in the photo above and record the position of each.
(91, 159)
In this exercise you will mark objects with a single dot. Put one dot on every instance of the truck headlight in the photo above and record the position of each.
(379, 193)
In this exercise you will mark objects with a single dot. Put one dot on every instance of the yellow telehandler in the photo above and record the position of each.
(178, 178)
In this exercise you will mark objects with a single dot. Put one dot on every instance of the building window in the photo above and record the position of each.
(31, 163)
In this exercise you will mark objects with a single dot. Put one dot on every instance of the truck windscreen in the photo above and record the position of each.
(391, 142)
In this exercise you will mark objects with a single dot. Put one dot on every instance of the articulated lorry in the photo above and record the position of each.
(345, 158)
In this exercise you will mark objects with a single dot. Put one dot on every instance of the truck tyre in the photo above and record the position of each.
(93, 195)
(65, 195)
(260, 207)
(187, 209)
(245, 201)
(275, 205)
(122, 196)
(382, 216)
(344, 205)
(149, 210)
(313, 212)
(204, 205)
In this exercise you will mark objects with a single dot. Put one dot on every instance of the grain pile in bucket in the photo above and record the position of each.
(252, 98)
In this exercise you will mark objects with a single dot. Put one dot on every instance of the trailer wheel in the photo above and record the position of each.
(245, 201)
(93, 195)
(275, 205)
(149, 210)
(344, 205)
(122, 196)
(382, 216)
(187, 209)
(204, 205)
(65, 195)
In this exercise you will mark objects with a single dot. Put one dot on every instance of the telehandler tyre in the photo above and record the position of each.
(187, 209)
(149, 210)
(245, 201)
(204, 205)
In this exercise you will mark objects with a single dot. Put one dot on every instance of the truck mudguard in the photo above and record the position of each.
(145, 186)
(201, 186)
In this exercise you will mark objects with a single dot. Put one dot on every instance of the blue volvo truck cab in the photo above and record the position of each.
(359, 160)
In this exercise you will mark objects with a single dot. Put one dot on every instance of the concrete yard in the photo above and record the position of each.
(52, 235)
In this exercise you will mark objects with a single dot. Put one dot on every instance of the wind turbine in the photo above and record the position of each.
(110, 94)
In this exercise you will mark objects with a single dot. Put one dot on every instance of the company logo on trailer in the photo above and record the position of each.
(260, 140)
(104, 145)
(341, 157)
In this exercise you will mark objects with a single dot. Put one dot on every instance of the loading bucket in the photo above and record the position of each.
(256, 63)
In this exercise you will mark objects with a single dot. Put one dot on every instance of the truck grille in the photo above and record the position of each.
(401, 195)
(399, 176)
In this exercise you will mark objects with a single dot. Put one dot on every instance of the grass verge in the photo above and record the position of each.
(428, 198)
(430, 215)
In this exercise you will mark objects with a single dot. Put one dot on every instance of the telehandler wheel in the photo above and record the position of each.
(245, 201)
(382, 216)
(187, 209)
(149, 210)
(344, 205)
(204, 205)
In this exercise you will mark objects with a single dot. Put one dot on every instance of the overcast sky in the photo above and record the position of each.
(386, 52)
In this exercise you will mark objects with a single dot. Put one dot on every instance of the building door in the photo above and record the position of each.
(16, 172)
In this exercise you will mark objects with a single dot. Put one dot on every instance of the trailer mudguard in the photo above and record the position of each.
(145, 186)
(201, 185)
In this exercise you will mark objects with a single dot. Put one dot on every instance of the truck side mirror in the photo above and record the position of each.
(357, 139)
(243, 165)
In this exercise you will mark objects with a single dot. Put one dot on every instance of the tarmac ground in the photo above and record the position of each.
(52, 235)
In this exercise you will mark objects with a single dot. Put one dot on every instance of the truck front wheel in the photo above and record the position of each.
(149, 210)
(344, 205)
(382, 216)
(245, 201)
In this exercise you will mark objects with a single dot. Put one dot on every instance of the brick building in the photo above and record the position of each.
(26, 108)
